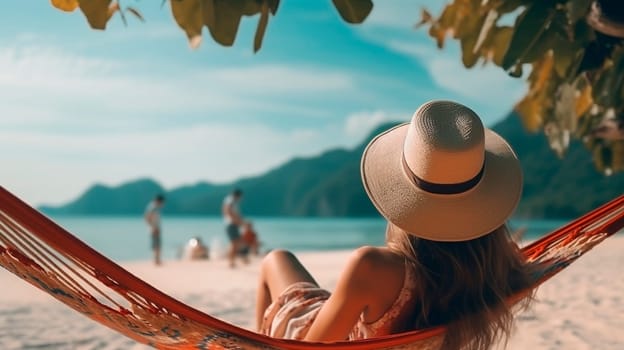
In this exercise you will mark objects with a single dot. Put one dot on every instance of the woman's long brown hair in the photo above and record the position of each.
(464, 285)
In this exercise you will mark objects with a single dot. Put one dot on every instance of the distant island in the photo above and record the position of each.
(329, 185)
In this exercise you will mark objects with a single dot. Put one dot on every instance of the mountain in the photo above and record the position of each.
(553, 187)
(129, 198)
(330, 185)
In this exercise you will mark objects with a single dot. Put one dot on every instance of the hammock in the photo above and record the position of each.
(50, 258)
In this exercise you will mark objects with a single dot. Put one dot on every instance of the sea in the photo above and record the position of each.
(126, 238)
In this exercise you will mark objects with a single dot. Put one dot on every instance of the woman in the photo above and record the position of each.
(446, 186)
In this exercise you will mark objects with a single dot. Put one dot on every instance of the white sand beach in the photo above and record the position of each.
(581, 308)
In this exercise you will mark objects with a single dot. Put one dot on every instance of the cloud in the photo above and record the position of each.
(360, 124)
(49, 84)
(271, 79)
(488, 85)
(34, 64)
(485, 88)
(47, 87)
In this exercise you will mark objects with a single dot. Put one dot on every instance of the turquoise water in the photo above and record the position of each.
(127, 238)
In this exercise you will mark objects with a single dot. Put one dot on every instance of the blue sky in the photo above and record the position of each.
(79, 106)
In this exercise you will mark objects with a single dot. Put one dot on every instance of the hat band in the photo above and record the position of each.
(437, 188)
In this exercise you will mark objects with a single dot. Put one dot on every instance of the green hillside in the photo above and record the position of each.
(127, 199)
(553, 187)
(330, 185)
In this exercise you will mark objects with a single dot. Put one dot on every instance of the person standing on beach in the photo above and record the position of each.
(152, 217)
(233, 221)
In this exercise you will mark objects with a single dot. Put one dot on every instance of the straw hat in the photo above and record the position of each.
(443, 176)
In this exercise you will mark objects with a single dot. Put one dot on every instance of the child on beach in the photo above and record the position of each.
(250, 239)
(446, 185)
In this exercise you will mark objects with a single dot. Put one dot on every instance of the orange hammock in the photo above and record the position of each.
(50, 258)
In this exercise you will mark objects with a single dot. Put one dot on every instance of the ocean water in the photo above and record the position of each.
(127, 238)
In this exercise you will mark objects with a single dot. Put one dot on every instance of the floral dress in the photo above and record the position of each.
(291, 315)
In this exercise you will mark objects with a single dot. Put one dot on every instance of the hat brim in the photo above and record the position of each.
(441, 217)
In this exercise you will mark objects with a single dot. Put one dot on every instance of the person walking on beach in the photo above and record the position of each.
(152, 218)
(233, 221)
(446, 186)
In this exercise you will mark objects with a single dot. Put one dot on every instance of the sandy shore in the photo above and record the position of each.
(581, 308)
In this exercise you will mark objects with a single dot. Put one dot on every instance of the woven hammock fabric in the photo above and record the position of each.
(44, 254)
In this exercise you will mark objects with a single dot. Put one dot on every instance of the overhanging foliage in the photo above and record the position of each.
(576, 58)
(221, 17)
(573, 49)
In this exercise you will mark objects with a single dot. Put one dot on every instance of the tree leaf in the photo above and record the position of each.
(558, 138)
(440, 27)
(353, 11)
(583, 101)
(597, 157)
(273, 6)
(566, 54)
(617, 87)
(601, 84)
(469, 29)
(453, 17)
(606, 154)
(136, 13)
(425, 18)
(251, 7)
(542, 73)
(227, 16)
(608, 81)
(262, 24)
(532, 108)
(529, 26)
(516, 71)
(577, 9)
(490, 19)
(98, 12)
(618, 155)
(583, 33)
(188, 15)
(123, 18)
(565, 112)
(496, 44)
(530, 111)
(208, 13)
(65, 5)
(469, 57)
(541, 45)
(507, 6)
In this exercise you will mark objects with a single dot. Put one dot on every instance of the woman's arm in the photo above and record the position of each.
(354, 292)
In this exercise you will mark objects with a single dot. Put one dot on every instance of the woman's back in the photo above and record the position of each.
(376, 290)
(374, 296)
(398, 300)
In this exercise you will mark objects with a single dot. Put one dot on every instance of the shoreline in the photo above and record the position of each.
(580, 308)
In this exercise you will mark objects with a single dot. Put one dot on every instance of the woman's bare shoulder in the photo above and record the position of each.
(377, 276)
(375, 259)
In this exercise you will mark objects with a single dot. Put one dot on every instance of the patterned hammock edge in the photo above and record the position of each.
(44, 254)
